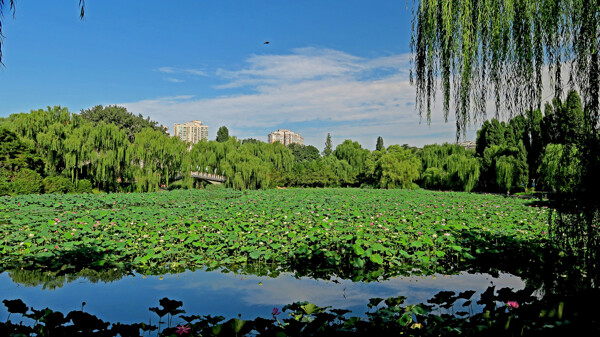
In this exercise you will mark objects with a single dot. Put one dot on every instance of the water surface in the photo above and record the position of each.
(127, 299)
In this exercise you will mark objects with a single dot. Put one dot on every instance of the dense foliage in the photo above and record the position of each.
(379, 145)
(499, 49)
(120, 117)
(357, 233)
(538, 149)
(222, 134)
(304, 152)
(114, 150)
(448, 167)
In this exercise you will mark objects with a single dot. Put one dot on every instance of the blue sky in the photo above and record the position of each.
(331, 66)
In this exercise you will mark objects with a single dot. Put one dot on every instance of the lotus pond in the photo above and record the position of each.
(358, 234)
(228, 252)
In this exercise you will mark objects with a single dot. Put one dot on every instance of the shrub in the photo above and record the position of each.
(27, 182)
(434, 178)
(83, 186)
(5, 188)
(57, 184)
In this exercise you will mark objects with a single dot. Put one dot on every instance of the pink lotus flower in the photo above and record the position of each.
(275, 311)
(512, 304)
(180, 330)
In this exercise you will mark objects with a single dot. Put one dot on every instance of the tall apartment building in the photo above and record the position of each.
(192, 132)
(285, 137)
(469, 145)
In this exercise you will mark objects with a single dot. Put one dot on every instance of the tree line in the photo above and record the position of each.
(111, 149)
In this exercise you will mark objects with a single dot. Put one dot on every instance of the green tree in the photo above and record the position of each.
(379, 146)
(16, 154)
(155, 159)
(355, 155)
(328, 150)
(434, 178)
(491, 133)
(222, 134)
(448, 167)
(251, 140)
(122, 118)
(304, 152)
(535, 145)
(98, 153)
(504, 168)
(565, 122)
(484, 48)
(560, 168)
(325, 171)
(252, 165)
(399, 168)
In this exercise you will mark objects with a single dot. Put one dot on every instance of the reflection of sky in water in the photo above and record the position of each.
(229, 294)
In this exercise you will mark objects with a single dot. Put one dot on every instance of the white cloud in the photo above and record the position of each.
(286, 288)
(312, 91)
(174, 80)
(190, 71)
(168, 70)
(195, 72)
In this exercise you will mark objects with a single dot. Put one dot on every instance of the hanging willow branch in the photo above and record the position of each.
(477, 50)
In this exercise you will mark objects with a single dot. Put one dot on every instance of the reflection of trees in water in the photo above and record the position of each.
(52, 280)
(575, 234)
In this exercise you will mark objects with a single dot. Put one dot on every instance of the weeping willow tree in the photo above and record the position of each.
(477, 50)
(155, 158)
(399, 168)
(46, 130)
(250, 165)
(448, 166)
(100, 154)
(29, 125)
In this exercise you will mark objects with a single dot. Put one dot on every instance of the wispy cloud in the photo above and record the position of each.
(314, 91)
(174, 70)
(174, 80)
(168, 70)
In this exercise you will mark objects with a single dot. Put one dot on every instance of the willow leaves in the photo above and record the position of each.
(483, 50)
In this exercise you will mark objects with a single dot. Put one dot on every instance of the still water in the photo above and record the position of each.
(216, 293)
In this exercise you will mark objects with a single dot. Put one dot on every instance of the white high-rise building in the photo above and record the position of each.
(285, 137)
(192, 132)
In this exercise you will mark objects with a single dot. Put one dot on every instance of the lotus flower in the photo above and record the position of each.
(512, 304)
(180, 330)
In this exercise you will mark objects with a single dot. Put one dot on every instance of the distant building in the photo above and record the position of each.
(285, 137)
(467, 145)
(192, 132)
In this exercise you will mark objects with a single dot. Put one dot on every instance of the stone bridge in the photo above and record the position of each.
(211, 178)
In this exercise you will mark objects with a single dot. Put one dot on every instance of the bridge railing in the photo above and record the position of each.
(208, 176)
